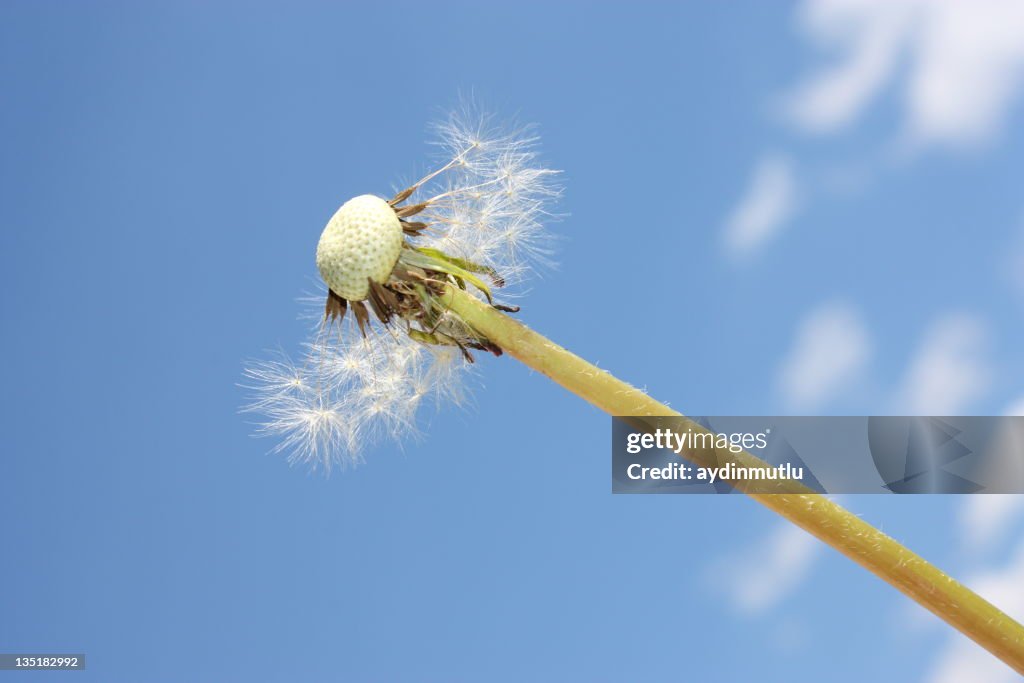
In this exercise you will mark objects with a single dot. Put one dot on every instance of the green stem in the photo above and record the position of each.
(925, 583)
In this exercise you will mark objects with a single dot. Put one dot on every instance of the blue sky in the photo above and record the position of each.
(802, 208)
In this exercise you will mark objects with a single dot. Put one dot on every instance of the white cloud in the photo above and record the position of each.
(959, 64)
(961, 661)
(769, 202)
(986, 519)
(950, 369)
(969, 63)
(871, 34)
(1016, 408)
(763, 575)
(831, 350)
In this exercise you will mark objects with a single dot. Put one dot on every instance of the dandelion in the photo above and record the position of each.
(424, 263)
(385, 342)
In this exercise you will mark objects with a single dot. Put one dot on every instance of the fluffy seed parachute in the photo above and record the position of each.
(384, 343)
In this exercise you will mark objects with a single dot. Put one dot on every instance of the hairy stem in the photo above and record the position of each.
(925, 583)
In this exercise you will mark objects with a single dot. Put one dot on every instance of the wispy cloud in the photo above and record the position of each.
(960, 660)
(831, 349)
(763, 575)
(871, 35)
(767, 205)
(950, 369)
(986, 519)
(958, 65)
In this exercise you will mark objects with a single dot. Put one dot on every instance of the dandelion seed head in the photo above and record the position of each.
(483, 209)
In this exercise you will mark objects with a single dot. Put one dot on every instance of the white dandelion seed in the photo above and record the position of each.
(476, 221)
(494, 201)
(311, 428)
